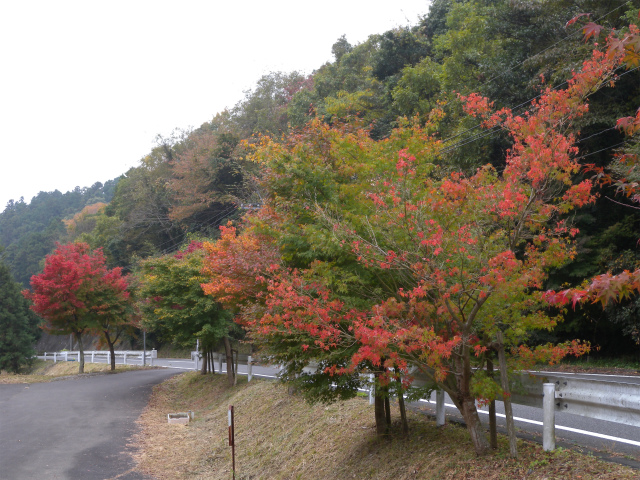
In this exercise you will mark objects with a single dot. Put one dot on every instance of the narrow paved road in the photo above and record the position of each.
(75, 429)
(570, 429)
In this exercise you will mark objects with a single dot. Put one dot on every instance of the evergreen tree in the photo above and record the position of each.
(18, 325)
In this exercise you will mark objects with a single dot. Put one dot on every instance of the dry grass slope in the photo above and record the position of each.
(47, 371)
(278, 436)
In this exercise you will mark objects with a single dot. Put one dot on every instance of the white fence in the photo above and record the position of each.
(90, 355)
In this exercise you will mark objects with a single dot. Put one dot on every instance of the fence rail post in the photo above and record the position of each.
(440, 408)
(549, 417)
(249, 368)
(55, 355)
(66, 356)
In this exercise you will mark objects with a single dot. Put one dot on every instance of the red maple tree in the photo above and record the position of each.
(77, 293)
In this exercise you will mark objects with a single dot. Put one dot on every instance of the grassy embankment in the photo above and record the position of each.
(279, 436)
(48, 371)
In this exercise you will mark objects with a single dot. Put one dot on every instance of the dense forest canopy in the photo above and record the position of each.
(194, 181)
(29, 231)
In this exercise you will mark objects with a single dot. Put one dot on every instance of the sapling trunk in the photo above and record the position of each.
(493, 433)
(511, 428)
(229, 355)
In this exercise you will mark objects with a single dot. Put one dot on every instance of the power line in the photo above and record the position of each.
(495, 129)
(548, 48)
(521, 63)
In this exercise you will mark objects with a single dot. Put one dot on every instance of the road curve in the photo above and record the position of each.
(73, 429)
(570, 429)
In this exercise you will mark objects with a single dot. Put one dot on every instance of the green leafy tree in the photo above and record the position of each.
(142, 202)
(18, 325)
(264, 109)
(174, 305)
(398, 49)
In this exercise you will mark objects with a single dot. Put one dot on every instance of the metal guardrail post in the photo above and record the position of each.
(249, 368)
(372, 389)
(220, 363)
(549, 417)
(439, 408)
(151, 361)
(125, 358)
(55, 357)
(66, 356)
(93, 357)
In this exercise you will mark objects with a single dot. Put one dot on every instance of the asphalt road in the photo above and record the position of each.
(570, 429)
(75, 429)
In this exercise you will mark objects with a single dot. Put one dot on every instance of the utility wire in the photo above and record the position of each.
(521, 63)
(495, 130)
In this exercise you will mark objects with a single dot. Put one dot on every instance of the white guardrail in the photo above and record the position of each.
(90, 355)
(617, 402)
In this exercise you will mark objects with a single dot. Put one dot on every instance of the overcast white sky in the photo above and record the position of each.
(85, 86)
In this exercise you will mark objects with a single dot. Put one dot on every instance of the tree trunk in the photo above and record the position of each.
(511, 428)
(229, 355)
(474, 427)
(493, 433)
(387, 409)
(78, 336)
(381, 420)
(107, 337)
(403, 414)
(466, 402)
(205, 359)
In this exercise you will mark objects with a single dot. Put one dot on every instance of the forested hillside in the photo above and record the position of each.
(29, 231)
(193, 182)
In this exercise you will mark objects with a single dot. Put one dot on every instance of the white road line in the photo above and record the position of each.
(254, 374)
(519, 419)
(558, 427)
(559, 374)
